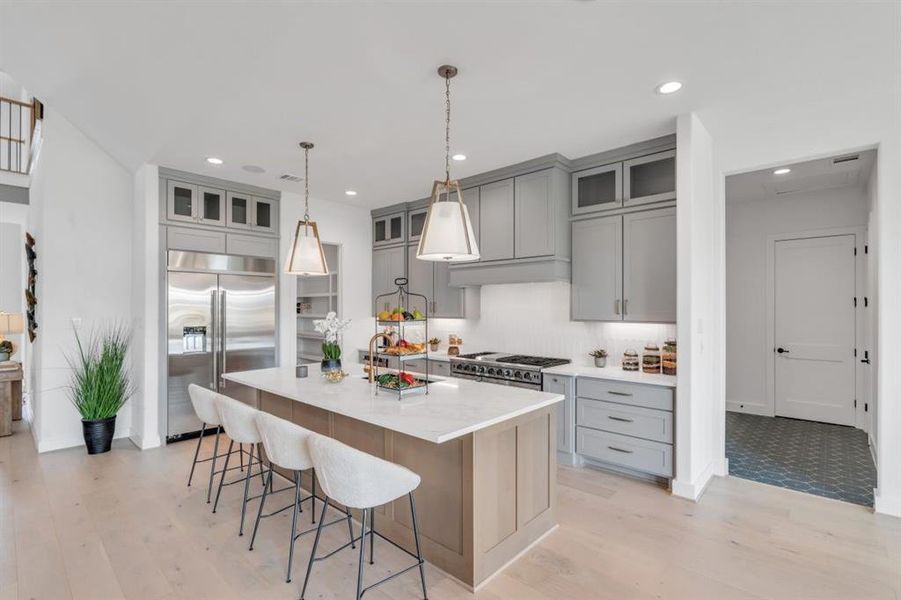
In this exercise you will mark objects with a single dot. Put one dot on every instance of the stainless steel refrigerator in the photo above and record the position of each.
(221, 319)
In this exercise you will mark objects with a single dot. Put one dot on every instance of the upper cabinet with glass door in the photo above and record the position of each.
(415, 223)
(388, 230)
(600, 188)
(195, 204)
(650, 178)
(251, 212)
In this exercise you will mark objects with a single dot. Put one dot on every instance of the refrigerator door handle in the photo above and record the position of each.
(214, 375)
(223, 336)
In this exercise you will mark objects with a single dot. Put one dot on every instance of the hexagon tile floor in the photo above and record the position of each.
(818, 458)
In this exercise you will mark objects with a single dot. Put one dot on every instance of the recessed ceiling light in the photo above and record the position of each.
(670, 87)
(782, 171)
(459, 157)
(350, 192)
(213, 160)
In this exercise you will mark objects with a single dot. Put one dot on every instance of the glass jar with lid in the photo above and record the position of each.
(650, 360)
(668, 357)
(630, 360)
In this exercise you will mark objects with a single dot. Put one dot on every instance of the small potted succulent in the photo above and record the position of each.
(600, 357)
(433, 344)
(100, 384)
(6, 349)
(330, 327)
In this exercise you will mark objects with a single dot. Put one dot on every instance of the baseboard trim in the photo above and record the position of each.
(147, 443)
(886, 505)
(748, 408)
(69, 442)
(695, 489)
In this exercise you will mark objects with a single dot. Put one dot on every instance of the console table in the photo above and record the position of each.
(10, 395)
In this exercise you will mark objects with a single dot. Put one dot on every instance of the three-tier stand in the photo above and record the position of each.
(402, 324)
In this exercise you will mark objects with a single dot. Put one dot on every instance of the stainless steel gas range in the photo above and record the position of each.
(506, 369)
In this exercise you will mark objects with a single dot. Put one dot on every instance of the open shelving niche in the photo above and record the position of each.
(316, 297)
(411, 330)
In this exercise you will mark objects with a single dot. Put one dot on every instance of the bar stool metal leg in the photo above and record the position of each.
(362, 552)
(418, 551)
(306, 578)
(371, 536)
(260, 459)
(294, 525)
(196, 453)
(246, 488)
(209, 489)
(267, 487)
(241, 455)
(231, 444)
(313, 501)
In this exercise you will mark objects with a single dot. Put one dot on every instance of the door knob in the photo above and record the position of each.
(781, 350)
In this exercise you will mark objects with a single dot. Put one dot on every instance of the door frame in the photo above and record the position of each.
(859, 233)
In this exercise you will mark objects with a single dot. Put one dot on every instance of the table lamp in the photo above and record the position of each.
(10, 323)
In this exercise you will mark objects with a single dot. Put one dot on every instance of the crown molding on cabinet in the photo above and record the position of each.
(222, 184)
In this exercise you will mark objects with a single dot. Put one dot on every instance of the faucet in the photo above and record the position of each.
(372, 341)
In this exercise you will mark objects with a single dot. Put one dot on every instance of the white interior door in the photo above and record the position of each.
(814, 283)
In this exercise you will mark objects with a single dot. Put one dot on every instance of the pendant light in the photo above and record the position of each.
(447, 234)
(306, 256)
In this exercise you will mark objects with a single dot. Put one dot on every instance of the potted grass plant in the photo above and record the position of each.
(100, 384)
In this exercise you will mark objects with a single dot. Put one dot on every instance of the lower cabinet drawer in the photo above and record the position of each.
(636, 394)
(635, 421)
(640, 455)
(439, 367)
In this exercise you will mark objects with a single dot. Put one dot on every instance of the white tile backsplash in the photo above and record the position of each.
(533, 318)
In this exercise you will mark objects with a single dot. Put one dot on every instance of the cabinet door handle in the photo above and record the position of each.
(615, 393)
(615, 449)
(612, 418)
(625, 306)
(617, 306)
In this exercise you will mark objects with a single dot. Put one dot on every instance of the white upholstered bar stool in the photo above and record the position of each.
(204, 402)
(239, 422)
(359, 480)
(286, 447)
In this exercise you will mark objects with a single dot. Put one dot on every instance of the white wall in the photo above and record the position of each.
(349, 226)
(700, 439)
(13, 218)
(749, 223)
(81, 219)
(534, 318)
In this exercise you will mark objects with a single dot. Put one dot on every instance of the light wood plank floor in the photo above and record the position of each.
(124, 525)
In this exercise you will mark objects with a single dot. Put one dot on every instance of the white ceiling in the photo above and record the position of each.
(809, 176)
(171, 83)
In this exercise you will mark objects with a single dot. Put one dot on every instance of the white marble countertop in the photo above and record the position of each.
(612, 373)
(452, 408)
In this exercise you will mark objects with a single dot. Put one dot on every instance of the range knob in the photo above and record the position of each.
(481, 369)
(508, 373)
(490, 371)
(517, 374)
(527, 376)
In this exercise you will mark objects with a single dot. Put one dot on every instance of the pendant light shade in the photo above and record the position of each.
(305, 256)
(447, 234)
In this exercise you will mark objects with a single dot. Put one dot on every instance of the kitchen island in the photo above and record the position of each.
(485, 452)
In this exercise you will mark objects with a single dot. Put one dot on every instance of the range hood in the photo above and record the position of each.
(521, 270)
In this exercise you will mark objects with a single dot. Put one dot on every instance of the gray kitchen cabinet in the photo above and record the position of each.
(181, 201)
(447, 302)
(415, 223)
(471, 198)
(649, 178)
(600, 188)
(387, 265)
(420, 280)
(534, 218)
(597, 269)
(440, 367)
(496, 206)
(194, 239)
(649, 266)
(560, 384)
(251, 245)
(239, 209)
(388, 230)
(210, 206)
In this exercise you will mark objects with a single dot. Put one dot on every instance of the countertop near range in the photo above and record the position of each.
(453, 407)
(613, 374)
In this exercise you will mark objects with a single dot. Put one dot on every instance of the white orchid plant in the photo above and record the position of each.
(330, 327)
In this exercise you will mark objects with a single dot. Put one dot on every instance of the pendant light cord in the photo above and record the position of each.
(306, 184)
(447, 129)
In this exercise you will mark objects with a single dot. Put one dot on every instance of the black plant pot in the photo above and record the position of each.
(98, 434)
(331, 365)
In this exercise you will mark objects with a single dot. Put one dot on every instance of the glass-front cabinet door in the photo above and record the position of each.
(239, 210)
(264, 217)
(650, 178)
(416, 223)
(597, 189)
(181, 201)
(388, 230)
(211, 206)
